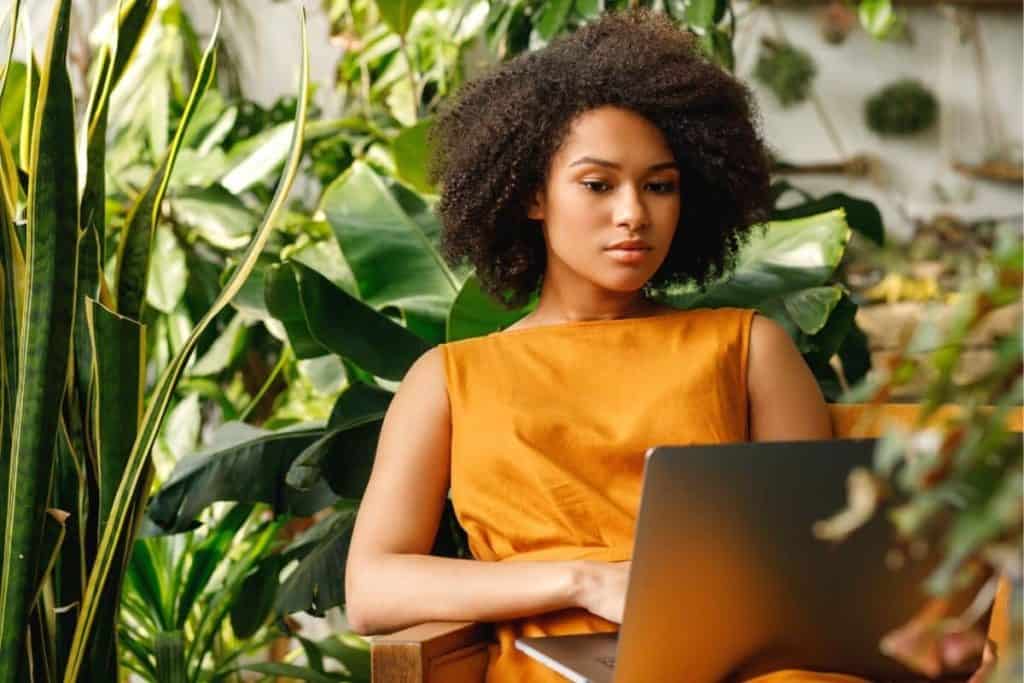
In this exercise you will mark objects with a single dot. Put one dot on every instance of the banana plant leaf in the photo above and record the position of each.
(51, 259)
(243, 463)
(390, 240)
(784, 258)
(317, 583)
(862, 215)
(321, 317)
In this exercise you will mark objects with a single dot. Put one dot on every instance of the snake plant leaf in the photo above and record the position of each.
(785, 257)
(316, 584)
(118, 345)
(398, 14)
(50, 257)
(161, 396)
(391, 242)
(112, 61)
(134, 249)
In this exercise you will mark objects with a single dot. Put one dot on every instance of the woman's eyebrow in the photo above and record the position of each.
(612, 164)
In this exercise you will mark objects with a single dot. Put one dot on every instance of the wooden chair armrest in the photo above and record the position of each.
(449, 651)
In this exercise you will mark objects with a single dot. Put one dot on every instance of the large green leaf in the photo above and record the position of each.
(317, 584)
(151, 422)
(243, 463)
(788, 256)
(218, 216)
(321, 317)
(476, 313)
(51, 260)
(134, 249)
(398, 14)
(411, 152)
(390, 239)
(862, 215)
(343, 456)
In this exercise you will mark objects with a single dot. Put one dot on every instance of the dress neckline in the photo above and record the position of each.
(582, 324)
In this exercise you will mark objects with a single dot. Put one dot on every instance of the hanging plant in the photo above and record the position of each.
(786, 70)
(836, 21)
(905, 107)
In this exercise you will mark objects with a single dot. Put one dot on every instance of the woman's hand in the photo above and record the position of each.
(602, 588)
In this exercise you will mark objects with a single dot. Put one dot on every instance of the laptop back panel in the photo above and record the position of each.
(726, 568)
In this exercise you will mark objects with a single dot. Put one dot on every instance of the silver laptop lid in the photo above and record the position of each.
(726, 568)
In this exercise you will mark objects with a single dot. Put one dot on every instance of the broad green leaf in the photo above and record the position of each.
(180, 435)
(134, 250)
(167, 274)
(810, 308)
(350, 328)
(862, 215)
(343, 457)
(244, 464)
(391, 243)
(788, 256)
(259, 589)
(50, 257)
(325, 257)
(398, 14)
(284, 302)
(218, 216)
(476, 313)
(137, 464)
(317, 584)
(223, 351)
(551, 18)
(410, 151)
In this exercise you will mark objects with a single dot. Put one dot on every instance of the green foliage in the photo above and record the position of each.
(905, 107)
(787, 70)
(77, 463)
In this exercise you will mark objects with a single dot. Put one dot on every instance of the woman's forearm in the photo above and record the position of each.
(391, 592)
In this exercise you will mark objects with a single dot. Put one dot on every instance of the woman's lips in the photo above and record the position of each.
(628, 255)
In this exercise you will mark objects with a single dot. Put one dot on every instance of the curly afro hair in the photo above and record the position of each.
(493, 143)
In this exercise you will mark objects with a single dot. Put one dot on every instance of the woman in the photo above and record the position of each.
(611, 163)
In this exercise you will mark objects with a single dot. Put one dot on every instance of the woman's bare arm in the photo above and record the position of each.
(391, 581)
(785, 401)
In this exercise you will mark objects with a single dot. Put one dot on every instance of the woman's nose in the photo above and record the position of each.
(630, 211)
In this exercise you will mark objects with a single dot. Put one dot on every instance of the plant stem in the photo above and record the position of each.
(286, 355)
(412, 76)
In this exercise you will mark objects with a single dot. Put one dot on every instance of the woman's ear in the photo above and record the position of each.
(535, 210)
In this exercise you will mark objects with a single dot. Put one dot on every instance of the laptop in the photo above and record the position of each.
(729, 582)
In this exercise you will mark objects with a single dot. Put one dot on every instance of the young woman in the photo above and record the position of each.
(597, 170)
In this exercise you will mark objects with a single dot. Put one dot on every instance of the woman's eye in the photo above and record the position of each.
(595, 185)
(663, 188)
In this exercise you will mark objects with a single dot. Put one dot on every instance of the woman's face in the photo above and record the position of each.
(614, 180)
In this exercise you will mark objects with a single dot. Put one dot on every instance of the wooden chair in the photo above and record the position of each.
(456, 652)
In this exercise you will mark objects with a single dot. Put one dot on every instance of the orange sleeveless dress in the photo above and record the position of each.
(549, 429)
